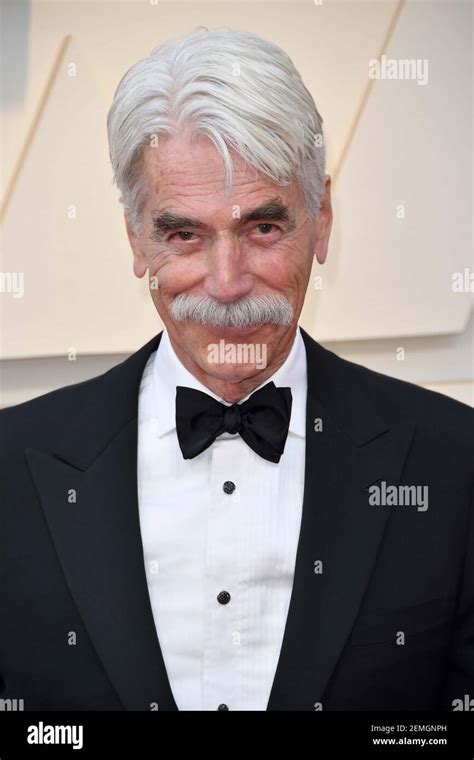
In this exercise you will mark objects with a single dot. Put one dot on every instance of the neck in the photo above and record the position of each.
(234, 391)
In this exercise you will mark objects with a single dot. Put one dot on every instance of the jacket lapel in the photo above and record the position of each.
(88, 491)
(339, 529)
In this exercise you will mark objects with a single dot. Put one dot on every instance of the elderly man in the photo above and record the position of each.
(233, 518)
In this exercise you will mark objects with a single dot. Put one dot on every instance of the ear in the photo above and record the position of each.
(324, 223)
(140, 265)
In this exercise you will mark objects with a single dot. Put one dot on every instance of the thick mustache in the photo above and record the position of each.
(246, 312)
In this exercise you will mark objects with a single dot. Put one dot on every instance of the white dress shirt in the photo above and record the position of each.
(199, 541)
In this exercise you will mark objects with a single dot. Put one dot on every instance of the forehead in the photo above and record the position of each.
(180, 174)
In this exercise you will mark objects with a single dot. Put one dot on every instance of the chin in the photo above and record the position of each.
(232, 373)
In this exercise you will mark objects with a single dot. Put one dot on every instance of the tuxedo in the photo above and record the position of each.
(381, 615)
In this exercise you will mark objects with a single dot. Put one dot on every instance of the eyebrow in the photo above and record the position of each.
(272, 210)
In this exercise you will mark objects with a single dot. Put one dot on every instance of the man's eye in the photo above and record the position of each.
(184, 235)
(265, 227)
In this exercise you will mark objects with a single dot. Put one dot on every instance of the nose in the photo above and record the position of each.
(227, 279)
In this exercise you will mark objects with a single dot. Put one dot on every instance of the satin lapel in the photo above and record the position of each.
(88, 491)
(340, 532)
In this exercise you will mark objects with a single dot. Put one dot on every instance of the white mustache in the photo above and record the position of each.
(246, 312)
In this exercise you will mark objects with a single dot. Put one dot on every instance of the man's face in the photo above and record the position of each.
(215, 249)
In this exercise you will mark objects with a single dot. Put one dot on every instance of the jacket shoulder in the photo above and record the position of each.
(401, 398)
(93, 407)
(49, 412)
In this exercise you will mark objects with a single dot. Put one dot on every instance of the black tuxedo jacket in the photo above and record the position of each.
(388, 623)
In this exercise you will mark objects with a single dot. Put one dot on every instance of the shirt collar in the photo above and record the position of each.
(168, 372)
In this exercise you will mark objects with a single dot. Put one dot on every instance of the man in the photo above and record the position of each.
(234, 518)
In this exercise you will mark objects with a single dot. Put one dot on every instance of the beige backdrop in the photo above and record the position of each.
(400, 154)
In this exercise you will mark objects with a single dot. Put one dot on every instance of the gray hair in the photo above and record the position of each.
(235, 87)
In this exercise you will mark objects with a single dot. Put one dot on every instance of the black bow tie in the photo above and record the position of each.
(262, 420)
